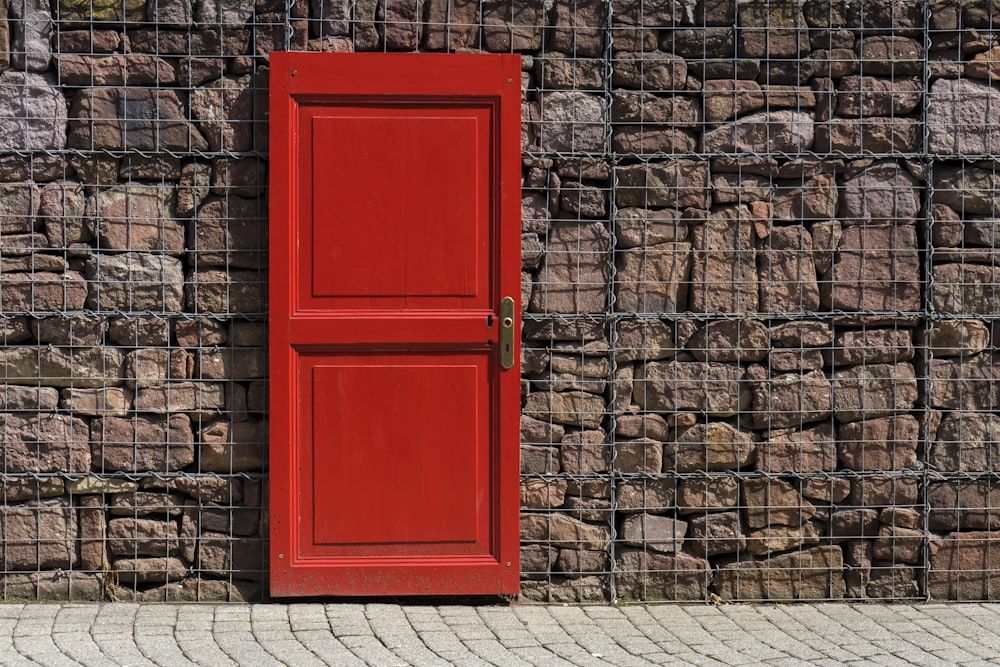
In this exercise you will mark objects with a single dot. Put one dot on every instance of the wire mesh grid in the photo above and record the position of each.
(759, 291)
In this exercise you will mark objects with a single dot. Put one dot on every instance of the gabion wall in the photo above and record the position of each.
(759, 283)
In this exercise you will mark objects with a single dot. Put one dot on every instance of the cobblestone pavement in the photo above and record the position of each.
(389, 634)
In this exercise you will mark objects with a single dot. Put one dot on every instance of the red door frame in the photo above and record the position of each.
(300, 78)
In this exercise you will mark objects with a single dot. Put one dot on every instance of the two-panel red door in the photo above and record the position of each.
(395, 235)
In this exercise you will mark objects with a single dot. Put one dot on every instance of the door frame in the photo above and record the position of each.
(399, 78)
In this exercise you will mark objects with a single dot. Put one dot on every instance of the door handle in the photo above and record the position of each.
(506, 333)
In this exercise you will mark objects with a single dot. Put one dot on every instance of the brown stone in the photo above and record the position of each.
(42, 291)
(854, 523)
(714, 534)
(644, 340)
(870, 134)
(783, 131)
(535, 431)
(880, 491)
(885, 193)
(145, 503)
(650, 531)
(787, 271)
(574, 275)
(229, 446)
(697, 496)
(899, 545)
(877, 269)
(134, 281)
(643, 455)
(38, 535)
(20, 202)
(44, 443)
(724, 270)
(791, 399)
(968, 383)
(92, 522)
(578, 27)
(539, 460)
(774, 502)
(142, 537)
(729, 98)
(584, 453)
(870, 346)
(14, 398)
(964, 566)
(653, 71)
(199, 398)
(583, 200)
(868, 96)
(891, 55)
(878, 390)
(811, 574)
(645, 575)
(969, 504)
(773, 538)
(225, 112)
(537, 561)
(137, 571)
(650, 140)
(809, 450)
(579, 561)
(142, 443)
(677, 184)
(826, 490)
(542, 494)
(772, 29)
(654, 495)
(889, 443)
(147, 367)
(572, 121)
(631, 106)
(562, 531)
(148, 119)
(640, 227)
(216, 291)
(966, 442)
(653, 279)
(730, 340)
(968, 189)
(512, 26)
(230, 231)
(958, 117)
(710, 447)
(801, 334)
(573, 408)
(789, 361)
(964, 288)
(15, 489)
(223, 555)
(709, 387)
(98, 402)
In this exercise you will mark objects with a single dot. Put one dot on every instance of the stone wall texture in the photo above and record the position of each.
(760, 290)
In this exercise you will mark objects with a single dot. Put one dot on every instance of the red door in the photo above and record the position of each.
(395, 238)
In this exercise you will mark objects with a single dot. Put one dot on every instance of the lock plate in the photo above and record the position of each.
(506, 333)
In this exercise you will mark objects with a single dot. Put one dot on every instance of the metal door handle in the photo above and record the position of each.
(506, 333)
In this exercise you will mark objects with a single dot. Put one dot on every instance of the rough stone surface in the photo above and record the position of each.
(574, 274)
(878, 390)
(713, 388)
(32, 113)
(653, 280)
(710, 447)
(724, 267)
(134, 281)
(815, 573)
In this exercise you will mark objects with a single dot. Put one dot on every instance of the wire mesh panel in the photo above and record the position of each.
(758, 276)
